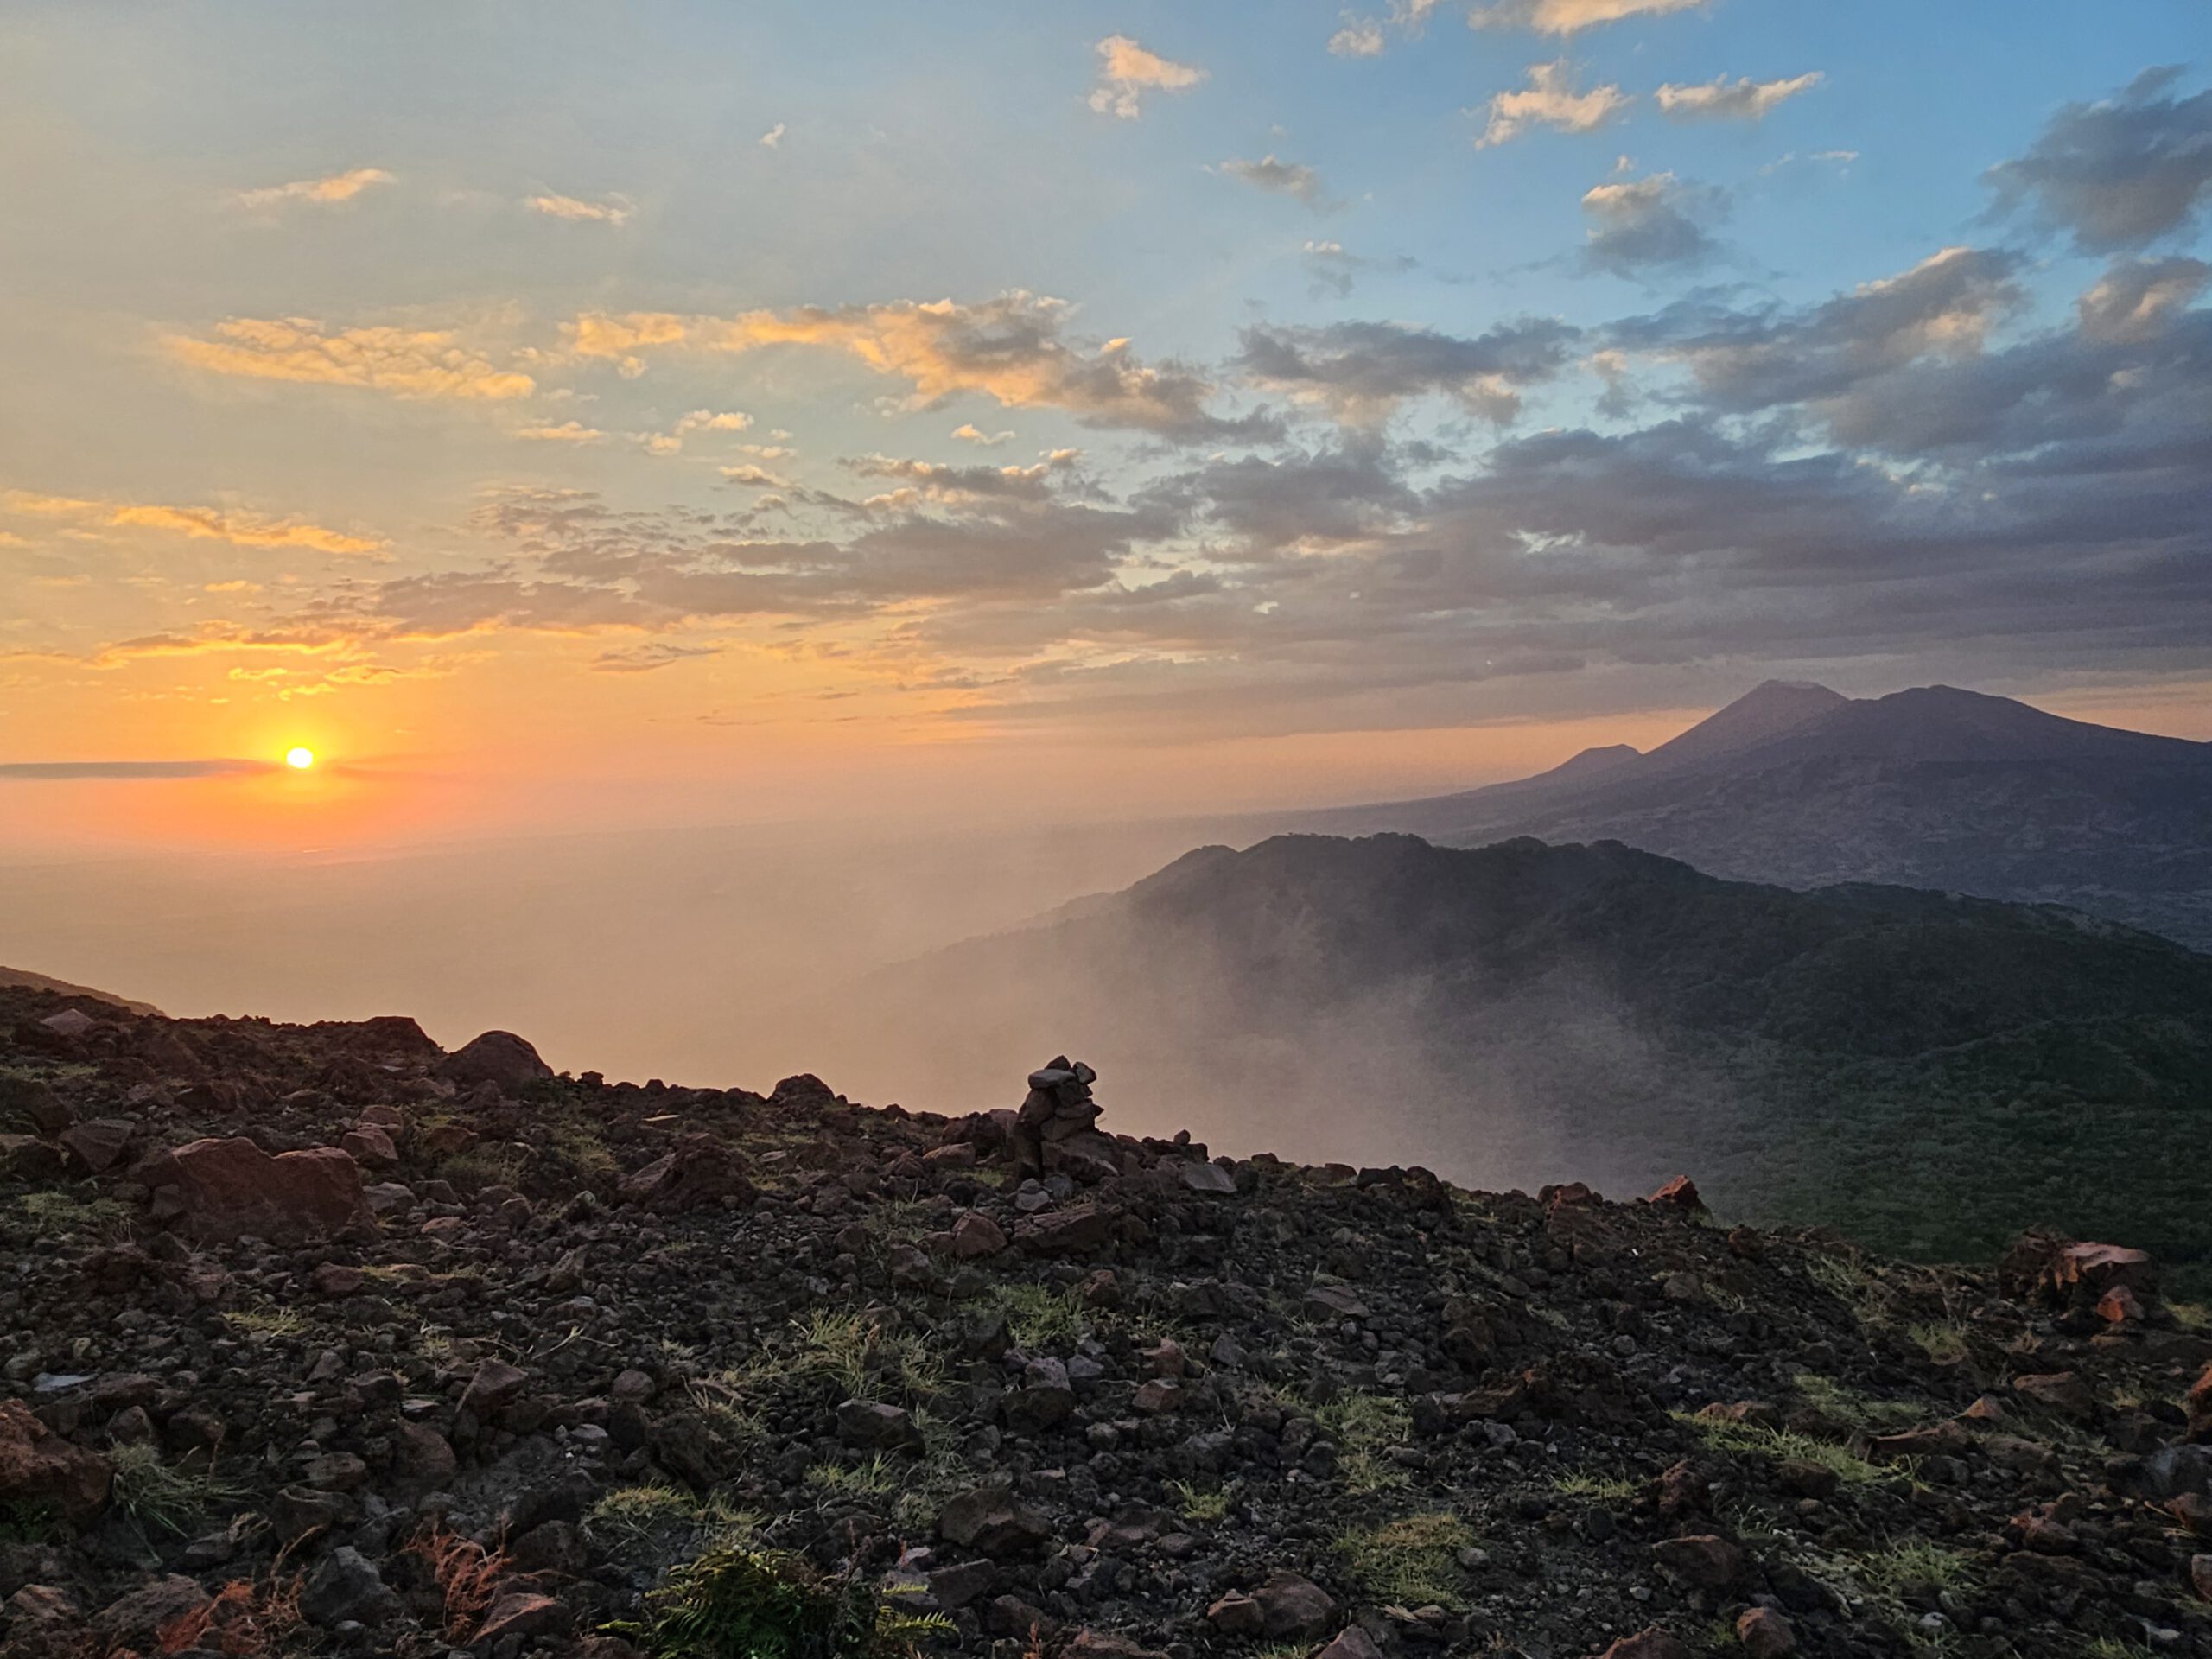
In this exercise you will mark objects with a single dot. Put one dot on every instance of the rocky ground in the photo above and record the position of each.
(320, 1340)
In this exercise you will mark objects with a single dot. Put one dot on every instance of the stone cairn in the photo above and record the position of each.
(1058, 1110)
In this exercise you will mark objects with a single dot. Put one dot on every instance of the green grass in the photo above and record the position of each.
(879, 1475)
(1413, 1562)
(1040, 1317)
(161, 1496)
(1787, 1444)
(739, 1604)
(63, 1212)
(1889, 1571)
(1364, 1427)
(1203, 1504)
(1831, 1399)
(631, 1517)
(1598, 1488)
(1945, 1343)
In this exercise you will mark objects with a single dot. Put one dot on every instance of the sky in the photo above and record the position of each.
(561, 417)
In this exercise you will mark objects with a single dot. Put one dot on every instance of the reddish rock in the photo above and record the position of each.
(137, 1621)
(1703, 1558)
(1681, 1193)
(40, 1471)
(495, 1386)
(1237, 1615)
(498, 1057)
(2063, 1391)
(700, 1171)
(222, 1189)
(2199, 1406)
(422, 1453)
(1161, 1394)
(1293, 1608)
(1352, 1643)
(368, 1144)
(335, 1279)
(2119, 1306)
(1648, 1644)
(41, 1618)
(1080, 1229)
(1765, 1634)
(97, 1144)
(976, 1235)
(446, 1140)
(2068, 1273)
(526, 1615)
(2200, 1575)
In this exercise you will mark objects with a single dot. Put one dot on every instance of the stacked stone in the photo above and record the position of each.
(1055, 1129)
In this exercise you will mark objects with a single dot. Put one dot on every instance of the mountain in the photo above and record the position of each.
(22, 979)
(1935, 787)
(1930, 1071)
(321, 1340)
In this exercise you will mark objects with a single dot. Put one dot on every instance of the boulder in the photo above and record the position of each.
(498, 1057)
(1708, 1562)
(369, 1144)
(1352, 1643)
(877, 1426)
(2064, 1392)
(2199, 1407)
(1293, 1608)
(40, 1471)
(135, 1622)
(1081, 1230)
(1765, 1634)
(1334, 1302)
(1681, 1193)
(495, 1386)
(698, 1171)
(992, 1521)
(975, 1236)
(97, 1144)
(220, 1190)
(1206, 1178)
(526, 1615)
(344, 1586)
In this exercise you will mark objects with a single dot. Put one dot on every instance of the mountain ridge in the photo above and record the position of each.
(1931, 787)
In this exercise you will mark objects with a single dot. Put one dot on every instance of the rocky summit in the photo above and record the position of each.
(319, 1339)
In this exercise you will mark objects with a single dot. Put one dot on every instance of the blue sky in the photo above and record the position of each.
(306, 426)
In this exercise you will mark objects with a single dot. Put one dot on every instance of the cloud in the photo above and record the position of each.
(1637, 224)
(615, 210)
(1360, 372)
(968, 432)
(1741, 99)
(337, 187)
(654, 653)
(1826, 355)
(1011, 349)
(67, 771)
(1360, 37)
(566, 432)
(1549, 101)
(1281, 178)
(2138, 300)
(773, 138)
(1127, 71)
(1334, 269)
(200, 523)
(405, 362)
(2118, 174)
(1569, 16)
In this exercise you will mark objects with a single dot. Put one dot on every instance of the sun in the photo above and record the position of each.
(299, 759)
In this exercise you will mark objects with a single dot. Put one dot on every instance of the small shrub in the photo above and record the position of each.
(737, 1604)
(162, 1497)
(1785, 1445)
(1200, 1504)
(1598, 1488)
(879, 1474)
(1040, 1317)
(244, 1619)
(468, 1576)
(1414, 1561)
(1945, 1343)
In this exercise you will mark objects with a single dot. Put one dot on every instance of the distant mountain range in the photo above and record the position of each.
(22, 979)
(1935, 1073)
(1935, 788)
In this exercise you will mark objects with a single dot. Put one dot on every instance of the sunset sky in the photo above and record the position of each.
(566, 414)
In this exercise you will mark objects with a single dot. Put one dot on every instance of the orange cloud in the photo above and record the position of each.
(1127, 71)
(405, 362)
(202, 524)
(615, 210)
(1009, 348)
(338, 186)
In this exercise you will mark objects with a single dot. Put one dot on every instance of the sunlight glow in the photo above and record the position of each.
(299, 759)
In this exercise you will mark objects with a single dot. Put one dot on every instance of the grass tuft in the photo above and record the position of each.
(1413, 1562)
